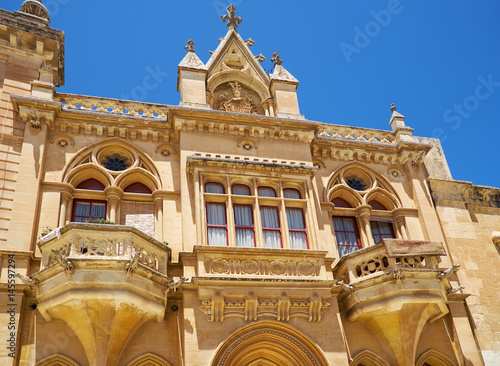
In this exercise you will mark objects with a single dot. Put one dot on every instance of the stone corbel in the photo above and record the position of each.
(36, 117)
(495, 237)
(283, 307)
(251, 305)
(217, 307)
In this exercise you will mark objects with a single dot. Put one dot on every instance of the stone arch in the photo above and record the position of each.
(138, 175)
(434, 358)
(346, 193)
(376, 182)
(86, 161)
(268, 343)
(368, 358)
(384, 197)
(235, 75)
(88, 171)
(57, 360)
(148, 359)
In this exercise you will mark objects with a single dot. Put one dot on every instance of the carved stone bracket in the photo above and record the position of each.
(36, 117)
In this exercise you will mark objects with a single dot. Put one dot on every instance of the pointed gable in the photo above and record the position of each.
(233, 62)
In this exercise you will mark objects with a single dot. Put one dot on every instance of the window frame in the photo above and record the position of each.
(391, 227)
(356, 231)
(297, 230)
(278, 202)
(271, 229)
(91, 201)
(241, 227)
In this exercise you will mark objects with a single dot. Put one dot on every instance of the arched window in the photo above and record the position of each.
(137, 188)
(91, 184)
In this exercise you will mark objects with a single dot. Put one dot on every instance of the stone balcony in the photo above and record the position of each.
(389, 284)
(260, 283)
(104, 281)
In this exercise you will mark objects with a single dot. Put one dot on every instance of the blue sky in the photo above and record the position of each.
(438, 61)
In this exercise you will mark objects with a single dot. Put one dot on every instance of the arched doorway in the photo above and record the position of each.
(268, 344)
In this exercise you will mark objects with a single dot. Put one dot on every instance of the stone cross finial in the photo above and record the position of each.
(232, 20)
(190, 45)
(393, 107)
(276, 59)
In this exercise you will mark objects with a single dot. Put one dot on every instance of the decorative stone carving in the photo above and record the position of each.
(251, 305)
(62, 260)
(276, 59)
(216, 306)
(449, 272)
(283, 307)
(133, 263)
(36, 8)
(315, 306)
(239, 102)
(27, 280)
(260, 267)
(232, 20)
(249, 42)
(260, 57)
(190, 45)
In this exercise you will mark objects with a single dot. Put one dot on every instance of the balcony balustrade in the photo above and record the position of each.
(104, 281)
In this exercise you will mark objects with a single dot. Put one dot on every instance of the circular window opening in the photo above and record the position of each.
(115, 162)
(356, 183)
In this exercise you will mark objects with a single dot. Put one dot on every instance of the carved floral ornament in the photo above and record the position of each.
(277, 267)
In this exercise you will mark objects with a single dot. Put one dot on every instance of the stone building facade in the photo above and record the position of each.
(242, 233)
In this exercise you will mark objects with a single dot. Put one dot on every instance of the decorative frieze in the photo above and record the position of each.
(260, 267)
(253, 306)
(269, 132)
(256, 164)
(368, 156)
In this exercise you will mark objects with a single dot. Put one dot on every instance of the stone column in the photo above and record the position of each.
(66, 197)
(159, 218)
(113, 195)
(364, 213)
(400, 227)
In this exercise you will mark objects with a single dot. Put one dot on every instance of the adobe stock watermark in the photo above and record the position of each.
(221, 5)
(460, 111)
(53, 6)
(150, 81)
(364, 35)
